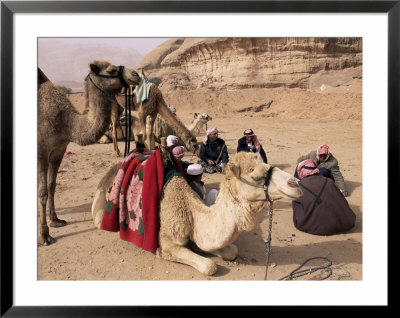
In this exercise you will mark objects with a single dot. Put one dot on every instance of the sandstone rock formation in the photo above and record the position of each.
(290, 75)
(236, 63)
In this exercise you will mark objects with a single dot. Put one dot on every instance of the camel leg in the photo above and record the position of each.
(114, 121)
(44, 237)
(227, 253)
(142, 125)
(181, 254)
(149, 131)
(114, 137)
(54, 163)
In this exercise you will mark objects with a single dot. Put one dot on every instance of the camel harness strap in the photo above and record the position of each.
(128, 102)
(271, 210)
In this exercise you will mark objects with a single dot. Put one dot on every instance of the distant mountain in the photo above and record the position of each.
(68, 64)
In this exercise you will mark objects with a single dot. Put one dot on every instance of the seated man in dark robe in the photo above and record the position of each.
(213, 152)
(250, 143)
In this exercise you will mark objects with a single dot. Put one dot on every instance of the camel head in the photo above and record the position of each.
(172, 109)
(250, 173)
(111, 78)
(203, 116)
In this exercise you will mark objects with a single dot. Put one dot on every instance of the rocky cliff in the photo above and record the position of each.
(237, 63)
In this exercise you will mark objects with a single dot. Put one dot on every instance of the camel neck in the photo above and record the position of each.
(246, 213)
(89, 127)
(196, 126)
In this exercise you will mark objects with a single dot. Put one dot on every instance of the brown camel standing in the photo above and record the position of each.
(60, 123)
(147, 112)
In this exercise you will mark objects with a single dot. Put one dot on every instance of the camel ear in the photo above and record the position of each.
(234, 169)
(95, 67)
(196, 114)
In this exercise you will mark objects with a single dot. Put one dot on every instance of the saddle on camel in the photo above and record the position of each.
(134, 199)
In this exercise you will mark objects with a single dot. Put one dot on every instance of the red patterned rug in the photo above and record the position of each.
(133, 203)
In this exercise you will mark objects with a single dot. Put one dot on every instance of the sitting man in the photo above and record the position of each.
(322, 210)
(177, 151)
(213, 152)
(194, 176)
(325, 159)
(249, 142)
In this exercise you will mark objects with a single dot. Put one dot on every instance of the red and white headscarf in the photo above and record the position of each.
(306, 168)
(209, 131)
(249, 132)
(323, 150)
(178, 152)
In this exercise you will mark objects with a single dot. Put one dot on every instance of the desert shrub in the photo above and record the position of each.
(67, 90)
(155, 80)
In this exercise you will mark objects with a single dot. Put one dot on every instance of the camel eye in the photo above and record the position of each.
(111, 72)
(251, 169)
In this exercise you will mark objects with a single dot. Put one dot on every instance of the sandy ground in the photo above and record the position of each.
(83, 252)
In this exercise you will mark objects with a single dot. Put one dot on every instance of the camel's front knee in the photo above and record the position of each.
(208, 267)
(204, 265)
(228, 253)
(43, 196)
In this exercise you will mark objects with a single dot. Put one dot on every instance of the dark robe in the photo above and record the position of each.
(322, 210)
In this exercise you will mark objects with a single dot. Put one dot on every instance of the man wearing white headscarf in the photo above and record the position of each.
(172, 141)
(194, 176)
(213, 152)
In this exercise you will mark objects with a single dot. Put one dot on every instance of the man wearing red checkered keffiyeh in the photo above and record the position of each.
(213, 152)
(250, 143)
(324, 159)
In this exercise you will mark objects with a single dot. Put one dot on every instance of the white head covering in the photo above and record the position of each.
(195, 169)
(172, 140)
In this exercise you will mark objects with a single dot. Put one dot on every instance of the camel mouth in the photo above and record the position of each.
(289, 196)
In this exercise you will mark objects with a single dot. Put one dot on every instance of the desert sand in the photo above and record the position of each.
(296, 123)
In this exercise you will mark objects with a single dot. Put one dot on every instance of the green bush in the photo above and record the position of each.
(155, 80)
(67, 90)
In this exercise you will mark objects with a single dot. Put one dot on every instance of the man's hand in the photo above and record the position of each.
(345, 193)
(210, 163)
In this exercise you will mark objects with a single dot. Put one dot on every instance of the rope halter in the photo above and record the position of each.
(119, 75)
(271, 209)
(264, 186)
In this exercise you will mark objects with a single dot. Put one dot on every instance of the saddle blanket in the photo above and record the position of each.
(133, 203)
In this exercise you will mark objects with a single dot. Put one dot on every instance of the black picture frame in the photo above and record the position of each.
(8, 8)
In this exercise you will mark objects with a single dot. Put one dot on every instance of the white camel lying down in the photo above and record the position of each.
(185, 219)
